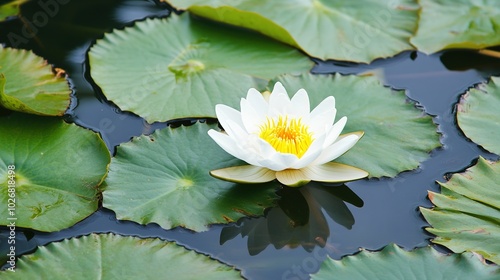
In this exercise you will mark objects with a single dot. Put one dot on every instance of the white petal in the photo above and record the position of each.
(321, 123)
(335, 131)
(235, 130)
(251, 149)
(273, 159)
(336, 149)
(278, 161)
(333, 172)
(325, 105)
(254, 110)
(312, 153)
(225, 113)
(226, 143)
(323, 116)
(257, 99)
(279, 101)
(292, 177)
(279, 88)
(358, 133)
(235, 147)
(244, 174)
(265, 149)
(252, 117)
(300, 103)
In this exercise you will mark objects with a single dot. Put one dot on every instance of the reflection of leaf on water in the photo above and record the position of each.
(298, 220)
(483, 61)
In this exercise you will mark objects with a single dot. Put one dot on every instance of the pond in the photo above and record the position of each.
(292, 239)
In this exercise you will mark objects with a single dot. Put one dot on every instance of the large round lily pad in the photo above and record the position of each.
(394, 263)
(448, 24)
(164, 179)
(478, 115)
(359, 30)
(163, 69)
(110, 257)
(397, 136)
(28, 84)
(467, 212)
(57, 166)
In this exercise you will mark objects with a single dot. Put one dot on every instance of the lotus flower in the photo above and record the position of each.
(281, 138)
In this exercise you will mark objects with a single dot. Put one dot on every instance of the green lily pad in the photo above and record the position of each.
(28, 84)
(10, 9)
(343, 30)
(477, 115)
(109, 256)
(448, 24)
(163, 69)
(57, 166)
(395, 263)
(397, 136)
(164, 179)
(467, 212)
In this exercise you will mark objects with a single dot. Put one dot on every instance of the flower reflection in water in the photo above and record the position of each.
(298, 220)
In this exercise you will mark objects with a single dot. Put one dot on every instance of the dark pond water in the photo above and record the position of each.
(326, 221)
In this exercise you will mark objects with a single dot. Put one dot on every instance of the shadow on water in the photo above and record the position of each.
(309, 223)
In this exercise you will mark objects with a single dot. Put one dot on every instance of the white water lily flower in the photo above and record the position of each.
(282, 139)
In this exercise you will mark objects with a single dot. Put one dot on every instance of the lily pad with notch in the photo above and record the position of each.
(57, 170)
(180, 67)
(28, 84)
(164, 178)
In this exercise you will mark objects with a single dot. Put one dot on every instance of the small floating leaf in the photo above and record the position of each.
(394, 263)
(109, 257)
(58, 167)
(478, 115)
(28, 84)
(397, 135)
(163, 69)
(467, 212)
(164, 179)
(359, 30)
(10, 8)
(448, 24)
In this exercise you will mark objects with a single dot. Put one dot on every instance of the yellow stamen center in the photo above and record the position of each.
(287, 135)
